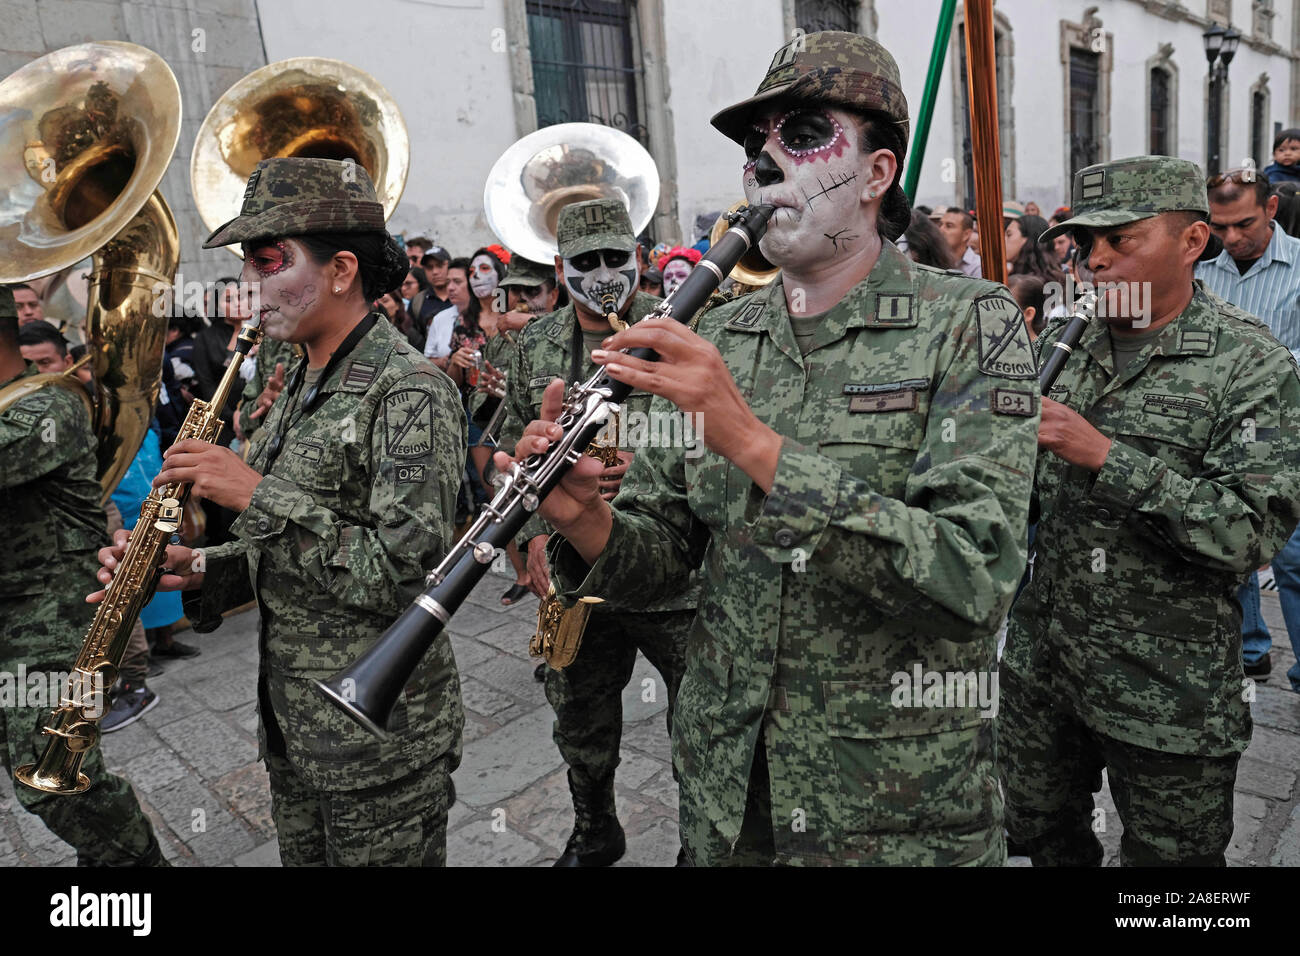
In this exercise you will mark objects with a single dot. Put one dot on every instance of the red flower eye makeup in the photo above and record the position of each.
(271, 258)
(802, 133)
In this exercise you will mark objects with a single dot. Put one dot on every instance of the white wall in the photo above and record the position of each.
(706, 74)
(450, 80)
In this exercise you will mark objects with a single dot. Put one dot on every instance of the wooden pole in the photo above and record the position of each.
(982, 81)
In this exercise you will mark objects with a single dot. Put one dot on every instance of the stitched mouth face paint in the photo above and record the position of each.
(814, 175)
(803, 134)
(593, 276)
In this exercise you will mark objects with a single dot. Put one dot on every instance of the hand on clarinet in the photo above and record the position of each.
(1070, 436)
(575, 507)
(178, 564)
(691, 374)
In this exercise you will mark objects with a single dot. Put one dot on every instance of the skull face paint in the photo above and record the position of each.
(483, 278)
(675, 273)
(602, 280)
(807, 163)
(288, 283)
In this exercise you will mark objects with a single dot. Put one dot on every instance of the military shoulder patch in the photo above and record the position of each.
(1195, 341)
(893, 311)
(1004, 346)
(747, 319)
(359, 375)
(408, 423)
(1013, 401)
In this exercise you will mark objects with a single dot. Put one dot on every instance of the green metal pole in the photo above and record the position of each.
(937, 56)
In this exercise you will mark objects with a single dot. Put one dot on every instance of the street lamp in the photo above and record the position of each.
(1220, 48)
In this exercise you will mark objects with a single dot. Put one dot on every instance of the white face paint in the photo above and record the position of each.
(483, 278)
(594, 277)
(820, 213)
(288, 282)
(675, 274)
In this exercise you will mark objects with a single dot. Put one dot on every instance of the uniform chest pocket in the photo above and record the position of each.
(313, 463)
(879, 447)
(1179, 441)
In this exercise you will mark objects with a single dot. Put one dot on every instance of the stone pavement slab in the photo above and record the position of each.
(193, 759)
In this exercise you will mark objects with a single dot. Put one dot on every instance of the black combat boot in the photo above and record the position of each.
(597, 838)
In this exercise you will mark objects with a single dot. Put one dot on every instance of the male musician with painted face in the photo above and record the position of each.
(1170, 469)
(859, 517)
(597, 259)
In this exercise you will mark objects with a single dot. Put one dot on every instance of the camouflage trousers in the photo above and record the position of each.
(402, 823)
(762, 844)
(1176, 809)
(105, 824)
(587, 696)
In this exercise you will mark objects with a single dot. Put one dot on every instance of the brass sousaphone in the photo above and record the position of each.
(86, 133)
(528, 186)
(306, 106)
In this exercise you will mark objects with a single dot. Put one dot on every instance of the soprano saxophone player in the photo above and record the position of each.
(343, 504)
(861, 509)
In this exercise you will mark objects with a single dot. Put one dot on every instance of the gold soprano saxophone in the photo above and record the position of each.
(559, 628)
(74, 729)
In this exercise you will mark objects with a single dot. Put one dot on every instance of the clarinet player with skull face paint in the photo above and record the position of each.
(859, 514)
(342, 505)
(597, 258)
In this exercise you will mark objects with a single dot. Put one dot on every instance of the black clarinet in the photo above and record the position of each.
(368, 689)
(1084, 310)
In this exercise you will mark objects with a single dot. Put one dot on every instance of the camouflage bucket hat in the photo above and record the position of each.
(595, 224)
(8, 308)
(1128, 190)
(526, 272)
(299, 196)
(843, 69)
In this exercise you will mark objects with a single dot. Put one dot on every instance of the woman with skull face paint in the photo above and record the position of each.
(675, 265)
(343, 506)
(858, 512)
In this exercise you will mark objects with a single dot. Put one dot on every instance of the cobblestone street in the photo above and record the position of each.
(197, 750)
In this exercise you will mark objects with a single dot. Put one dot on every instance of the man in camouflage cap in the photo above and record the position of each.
(597, 258)
(344, 504)
(1169, 469)
(858, 515)
(49, 503)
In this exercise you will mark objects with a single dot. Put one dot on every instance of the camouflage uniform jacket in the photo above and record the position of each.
(49, 506)
(335, 544)
(543, 354)
(893, 536)
(1131, 617)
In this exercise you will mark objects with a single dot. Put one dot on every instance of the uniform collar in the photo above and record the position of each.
(1194, 331)
(558, 327)
(358, 371)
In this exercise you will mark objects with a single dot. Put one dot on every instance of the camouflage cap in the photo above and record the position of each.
(526, 272)
(594, 224)
(301, 196)
(8, 309)
(1127, 190)
(843, 69)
